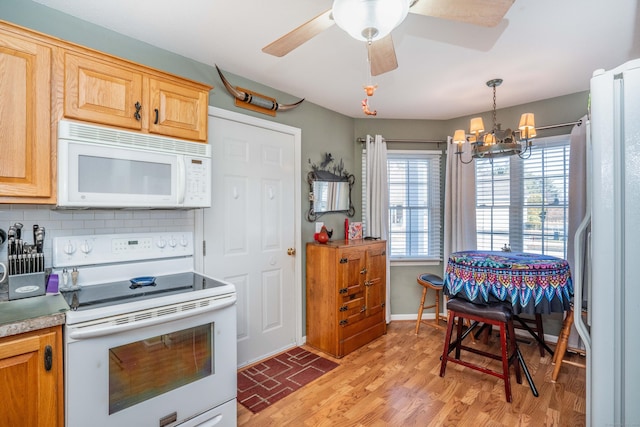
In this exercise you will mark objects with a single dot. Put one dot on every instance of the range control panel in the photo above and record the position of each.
(113, 248)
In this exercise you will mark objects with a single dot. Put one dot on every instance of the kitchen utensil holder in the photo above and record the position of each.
(26, 285)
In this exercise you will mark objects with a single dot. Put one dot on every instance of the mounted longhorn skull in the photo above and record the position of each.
(255, 100)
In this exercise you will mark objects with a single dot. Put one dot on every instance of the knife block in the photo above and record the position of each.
(26, 285)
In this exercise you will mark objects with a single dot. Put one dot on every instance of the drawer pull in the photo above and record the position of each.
(343, 290)
(343, 308)
(343, 322)
(343, 260)
(48, 358)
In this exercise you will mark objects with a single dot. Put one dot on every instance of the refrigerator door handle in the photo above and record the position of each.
(578, 283)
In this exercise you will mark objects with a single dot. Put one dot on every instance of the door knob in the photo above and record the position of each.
(291, 251)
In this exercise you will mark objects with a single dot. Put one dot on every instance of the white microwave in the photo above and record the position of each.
(101, 167)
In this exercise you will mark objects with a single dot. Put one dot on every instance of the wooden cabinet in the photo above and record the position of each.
(178, 110)
(100, 92)
(346, 294)
(105, 90)
(31, 382)
(26, 161)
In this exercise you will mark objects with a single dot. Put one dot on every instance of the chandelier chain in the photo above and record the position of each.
(495, 114)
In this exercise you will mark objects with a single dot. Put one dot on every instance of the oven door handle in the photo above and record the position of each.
(117, 324)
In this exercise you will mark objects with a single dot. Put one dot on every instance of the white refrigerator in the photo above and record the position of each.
(611, 331)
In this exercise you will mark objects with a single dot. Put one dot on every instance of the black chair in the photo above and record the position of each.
(495, 314)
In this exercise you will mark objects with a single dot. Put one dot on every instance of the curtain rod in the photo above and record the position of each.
(437, 141)
(433, 141)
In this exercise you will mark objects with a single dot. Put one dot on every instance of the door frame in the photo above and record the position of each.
(199, 215)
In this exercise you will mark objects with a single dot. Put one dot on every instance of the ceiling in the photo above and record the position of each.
(541, 49)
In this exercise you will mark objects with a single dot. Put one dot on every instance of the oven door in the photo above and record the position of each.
(166, 372)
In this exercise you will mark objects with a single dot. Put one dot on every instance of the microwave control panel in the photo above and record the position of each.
(198, 182)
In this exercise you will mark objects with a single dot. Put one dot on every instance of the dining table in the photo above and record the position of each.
(532, 284)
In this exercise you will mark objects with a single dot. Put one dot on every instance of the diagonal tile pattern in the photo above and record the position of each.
(269, 381)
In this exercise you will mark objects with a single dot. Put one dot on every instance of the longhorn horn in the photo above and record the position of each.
(255, 100)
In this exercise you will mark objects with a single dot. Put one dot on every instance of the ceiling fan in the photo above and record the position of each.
(382, 56)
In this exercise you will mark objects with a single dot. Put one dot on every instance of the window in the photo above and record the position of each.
(523, 203)
(414, 204)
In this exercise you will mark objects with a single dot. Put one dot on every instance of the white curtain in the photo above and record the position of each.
(459, 203)
(577, 206)
(377, 199)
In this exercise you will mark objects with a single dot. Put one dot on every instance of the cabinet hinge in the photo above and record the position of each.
(204, 248)
(343, 260)
(344, 308)
(343, 290)
(343, 322)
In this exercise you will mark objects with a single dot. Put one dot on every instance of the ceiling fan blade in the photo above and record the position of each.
(303, 33)
(486, 13)
(382, 55)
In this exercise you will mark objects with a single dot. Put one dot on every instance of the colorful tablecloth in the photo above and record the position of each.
(533, 283)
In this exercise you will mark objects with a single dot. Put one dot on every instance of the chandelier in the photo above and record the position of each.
(496, 142)
(369, 20)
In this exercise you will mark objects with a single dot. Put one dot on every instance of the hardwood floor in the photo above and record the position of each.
(394, 381)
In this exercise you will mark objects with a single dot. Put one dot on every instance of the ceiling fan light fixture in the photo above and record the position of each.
(369, 20)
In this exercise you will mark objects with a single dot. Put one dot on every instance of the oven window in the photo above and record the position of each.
(148, 368)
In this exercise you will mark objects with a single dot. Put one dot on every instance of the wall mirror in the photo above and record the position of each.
(329, 191)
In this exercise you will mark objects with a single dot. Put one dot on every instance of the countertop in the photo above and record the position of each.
(29, 314)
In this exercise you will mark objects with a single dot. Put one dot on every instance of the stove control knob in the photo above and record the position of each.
(184, 242)
(173, 242)
(161, 243)
(69, 249)
(86, 247)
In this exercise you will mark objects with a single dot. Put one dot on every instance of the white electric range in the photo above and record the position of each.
(148, 341)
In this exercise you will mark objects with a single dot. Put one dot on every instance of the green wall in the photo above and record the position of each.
(323, 130)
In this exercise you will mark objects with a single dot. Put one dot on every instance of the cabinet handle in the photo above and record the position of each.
(156, 121)
(48, 358)
(137, 113)
(363, 309)
(363, 271)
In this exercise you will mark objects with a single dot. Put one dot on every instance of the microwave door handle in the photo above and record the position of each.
(182, 181)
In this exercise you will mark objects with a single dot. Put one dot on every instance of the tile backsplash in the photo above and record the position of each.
(59, 222)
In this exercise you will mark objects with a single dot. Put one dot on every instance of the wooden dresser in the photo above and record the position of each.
(346, 290)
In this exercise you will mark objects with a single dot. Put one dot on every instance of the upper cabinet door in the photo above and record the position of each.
(178, 110)
(103, 93)
(25, 120)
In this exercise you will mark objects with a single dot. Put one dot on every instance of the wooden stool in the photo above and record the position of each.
(561, 347)
(494, 314)
(430, 281)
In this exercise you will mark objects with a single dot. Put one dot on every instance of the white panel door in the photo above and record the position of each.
(249, 229)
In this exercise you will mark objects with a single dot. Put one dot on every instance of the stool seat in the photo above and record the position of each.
(497, 314)
(431, 280)
(435, 282)
(496, 311)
